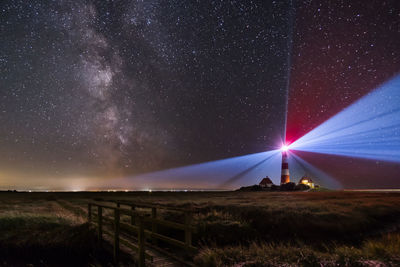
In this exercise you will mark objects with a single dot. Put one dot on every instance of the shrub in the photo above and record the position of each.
(288, 186)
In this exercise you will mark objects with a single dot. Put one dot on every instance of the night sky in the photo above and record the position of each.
(342, 50)
(105, 89)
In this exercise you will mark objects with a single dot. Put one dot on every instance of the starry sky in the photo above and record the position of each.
(342, 50)
(105, 89)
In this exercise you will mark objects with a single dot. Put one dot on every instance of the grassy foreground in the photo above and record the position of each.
(43, 240)
(233, 228)
(382, 251)
(42, 234)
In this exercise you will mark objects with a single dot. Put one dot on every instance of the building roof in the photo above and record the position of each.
(306, 178)
(265, 180)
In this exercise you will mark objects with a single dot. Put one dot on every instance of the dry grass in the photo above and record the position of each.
(384, 251)
(257, 228)
(45, 241)
(40, 232)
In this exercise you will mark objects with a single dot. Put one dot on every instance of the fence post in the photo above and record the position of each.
(118, 205)
(188, 231)
(116, 235)
(154, 224)
(141, 242)
(89, 212)
(100, 223)
(133, 216)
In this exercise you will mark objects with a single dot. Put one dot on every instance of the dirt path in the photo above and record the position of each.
(61, 211)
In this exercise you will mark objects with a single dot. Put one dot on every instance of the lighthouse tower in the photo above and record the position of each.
(285, 178)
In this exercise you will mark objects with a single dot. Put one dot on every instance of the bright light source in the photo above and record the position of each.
(284, 148)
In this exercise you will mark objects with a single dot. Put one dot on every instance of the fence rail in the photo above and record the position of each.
(137, 227)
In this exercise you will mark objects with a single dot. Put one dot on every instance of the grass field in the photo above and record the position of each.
(233, 228)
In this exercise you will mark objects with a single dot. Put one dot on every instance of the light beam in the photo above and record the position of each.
(221, 174)
(369, 128)
(302, 166)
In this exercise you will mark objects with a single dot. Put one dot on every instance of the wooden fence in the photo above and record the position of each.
(99, 214)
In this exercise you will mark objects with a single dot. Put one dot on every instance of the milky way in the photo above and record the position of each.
(117, 88)
(123, 87)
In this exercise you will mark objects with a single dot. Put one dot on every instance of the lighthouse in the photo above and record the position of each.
(285, 177)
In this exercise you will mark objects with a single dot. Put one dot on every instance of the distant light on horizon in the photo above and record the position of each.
(160, 107)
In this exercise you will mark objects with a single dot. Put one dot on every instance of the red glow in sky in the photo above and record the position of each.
(341, 51)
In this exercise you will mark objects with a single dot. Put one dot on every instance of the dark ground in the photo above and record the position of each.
(247, 228)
